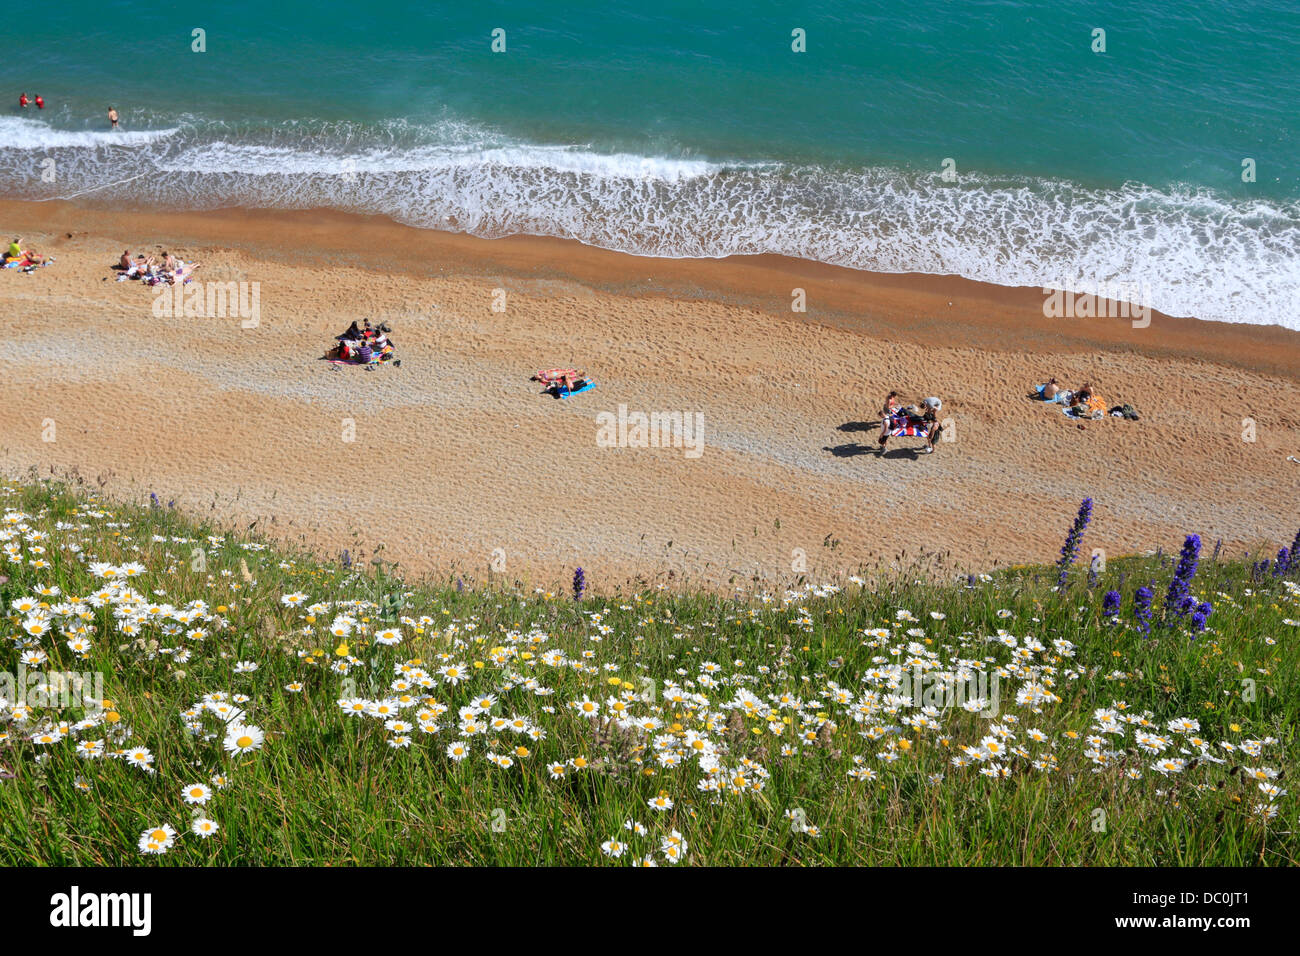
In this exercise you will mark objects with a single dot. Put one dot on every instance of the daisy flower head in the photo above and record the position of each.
(454, 673)
(157, 840)
(243, 738)
(196, 793)
(458, 751)
(140, 757)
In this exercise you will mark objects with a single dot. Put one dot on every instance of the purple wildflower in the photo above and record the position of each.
(1283, 563)
(1110, 604)
(1142, 599)
(1178, 596)
(1071, 547)
(579, 584)
(1203, 611)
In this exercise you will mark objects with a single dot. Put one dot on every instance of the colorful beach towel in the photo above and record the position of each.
(584, 387)
(554, 376)
(900, 426)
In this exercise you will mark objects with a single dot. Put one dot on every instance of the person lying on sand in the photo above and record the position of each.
(138, 266)
(570, 380)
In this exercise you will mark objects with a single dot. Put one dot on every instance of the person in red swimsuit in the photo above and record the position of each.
(40, 103)
(22, 101)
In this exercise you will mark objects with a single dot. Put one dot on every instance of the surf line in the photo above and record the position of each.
(92, 189)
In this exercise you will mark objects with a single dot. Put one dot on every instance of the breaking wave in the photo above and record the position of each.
(1197, 252)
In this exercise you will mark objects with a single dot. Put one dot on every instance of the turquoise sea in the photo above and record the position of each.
(695, 129)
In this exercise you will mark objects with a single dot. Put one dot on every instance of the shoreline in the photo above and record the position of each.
(757, 281)
(863, 302)
(464, 459)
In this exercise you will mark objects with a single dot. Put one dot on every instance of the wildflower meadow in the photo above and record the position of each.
(177, 693)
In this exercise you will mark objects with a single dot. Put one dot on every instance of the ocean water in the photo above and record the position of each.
(689, 129)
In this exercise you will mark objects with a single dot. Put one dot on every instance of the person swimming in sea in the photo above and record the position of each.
(112, 116)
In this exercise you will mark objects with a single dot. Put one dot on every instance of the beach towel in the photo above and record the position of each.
(1095, 409)
(584, 387)
(1061, 397)
(900, 426)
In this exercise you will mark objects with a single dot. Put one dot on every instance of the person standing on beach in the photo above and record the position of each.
(112, 116)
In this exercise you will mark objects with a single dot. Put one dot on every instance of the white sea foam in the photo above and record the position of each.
(1199, 253)
(21, 134)
(222, 157)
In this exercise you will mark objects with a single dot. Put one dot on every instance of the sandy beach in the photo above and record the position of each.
(459, 464)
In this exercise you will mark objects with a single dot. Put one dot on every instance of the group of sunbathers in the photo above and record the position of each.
(920, 420)
(1082, 402)
(363, 345)
(16, 257)
(152, 270)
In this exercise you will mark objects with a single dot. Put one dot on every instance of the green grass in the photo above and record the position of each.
(328, 789)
